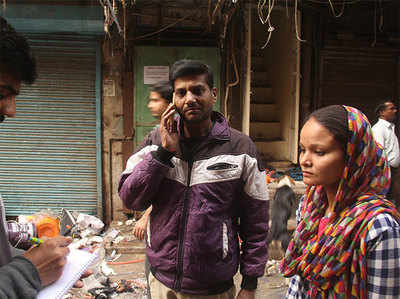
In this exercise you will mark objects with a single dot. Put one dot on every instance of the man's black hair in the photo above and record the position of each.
(187, 67)
(16, 56)
(382, 106)
(165, 90)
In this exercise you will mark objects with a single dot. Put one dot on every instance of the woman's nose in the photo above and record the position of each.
(304, 159)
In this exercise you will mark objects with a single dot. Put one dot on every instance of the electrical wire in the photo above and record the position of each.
(164, 28)
(236, 75)
(271, 28)
(295, 23)
(334, 11)
(381, 16)
(215, 11)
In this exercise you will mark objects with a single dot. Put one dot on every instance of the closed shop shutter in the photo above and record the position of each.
(357, 77)
(49, 153)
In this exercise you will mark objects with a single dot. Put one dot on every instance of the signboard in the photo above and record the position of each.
(154, 74)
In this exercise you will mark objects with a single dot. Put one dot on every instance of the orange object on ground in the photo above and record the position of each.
(127, 262)
(48, 227)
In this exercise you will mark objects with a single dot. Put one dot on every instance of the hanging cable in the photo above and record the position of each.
(271, 28)
(236, 75)
(164, 28)
(260, 8)
(209, 15)
(295, 22)
(215, 11)
(334, 11)
(381, 16)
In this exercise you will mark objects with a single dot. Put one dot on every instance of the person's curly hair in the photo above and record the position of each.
(16, 56)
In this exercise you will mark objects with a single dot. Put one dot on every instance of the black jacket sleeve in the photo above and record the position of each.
(19, 279)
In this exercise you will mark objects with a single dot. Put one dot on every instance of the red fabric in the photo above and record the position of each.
(322, 225)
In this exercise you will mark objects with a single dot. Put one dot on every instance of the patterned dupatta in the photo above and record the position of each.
(336, 262)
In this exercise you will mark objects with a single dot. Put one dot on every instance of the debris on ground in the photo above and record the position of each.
(104, 283)
(118, 271)
(272, 267)
(89, 232)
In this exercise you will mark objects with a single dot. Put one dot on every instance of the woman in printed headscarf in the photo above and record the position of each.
(347, 241)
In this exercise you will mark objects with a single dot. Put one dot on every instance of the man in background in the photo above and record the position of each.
(22, 276)
(384, 133)
(159, 98)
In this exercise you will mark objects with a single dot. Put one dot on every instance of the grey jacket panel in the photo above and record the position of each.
(19, 278)
(5, 249)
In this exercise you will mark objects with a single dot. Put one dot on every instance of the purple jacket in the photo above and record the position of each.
(202, 199)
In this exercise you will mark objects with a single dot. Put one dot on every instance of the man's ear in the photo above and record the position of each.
(214, 94)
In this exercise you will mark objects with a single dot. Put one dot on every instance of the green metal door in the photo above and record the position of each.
(163, 57)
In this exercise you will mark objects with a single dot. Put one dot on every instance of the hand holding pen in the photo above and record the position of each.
(49, 258)
(35, 240)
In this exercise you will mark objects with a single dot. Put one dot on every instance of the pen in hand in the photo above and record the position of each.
(36, 240)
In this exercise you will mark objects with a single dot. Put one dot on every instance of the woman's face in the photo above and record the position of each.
(321, 156)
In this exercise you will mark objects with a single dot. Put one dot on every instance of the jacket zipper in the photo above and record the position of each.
(181, 236)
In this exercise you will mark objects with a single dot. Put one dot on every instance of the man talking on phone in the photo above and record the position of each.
(207, 188)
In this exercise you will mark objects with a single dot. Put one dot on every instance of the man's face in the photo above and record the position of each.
(9, 89)
(193, 98)
(389, 113)
(157, 104)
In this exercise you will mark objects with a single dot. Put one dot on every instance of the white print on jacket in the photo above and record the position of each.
(247, 169)
(243, 166)
(224, 240)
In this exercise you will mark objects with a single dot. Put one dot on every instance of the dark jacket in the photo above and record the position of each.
(18, 276)
(202, 201)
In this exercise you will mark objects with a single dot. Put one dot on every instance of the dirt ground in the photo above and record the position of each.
(271, 286)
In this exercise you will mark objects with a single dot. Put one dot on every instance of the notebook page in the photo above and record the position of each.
(77, 263)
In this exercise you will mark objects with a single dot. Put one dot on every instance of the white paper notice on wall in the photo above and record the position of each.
(155, 73)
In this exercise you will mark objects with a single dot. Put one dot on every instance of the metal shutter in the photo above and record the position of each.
(50, 153)
(357, 77)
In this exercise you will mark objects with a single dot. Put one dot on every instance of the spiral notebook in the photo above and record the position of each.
(77, 263)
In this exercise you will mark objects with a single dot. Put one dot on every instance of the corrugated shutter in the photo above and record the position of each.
(359, 77)
(49, 152)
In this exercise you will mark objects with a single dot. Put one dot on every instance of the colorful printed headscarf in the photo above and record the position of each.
(336, 261)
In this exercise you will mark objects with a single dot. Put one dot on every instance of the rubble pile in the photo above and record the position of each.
(110, 245)
(125, 241)
(111, 277)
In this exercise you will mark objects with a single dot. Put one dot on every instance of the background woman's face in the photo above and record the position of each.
(321, 156)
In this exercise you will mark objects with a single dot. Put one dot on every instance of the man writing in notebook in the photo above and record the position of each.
(24, 275)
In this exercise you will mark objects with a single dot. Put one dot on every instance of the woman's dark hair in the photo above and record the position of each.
(16, 57)
(165, 90)
(334, 118)
(187, 67)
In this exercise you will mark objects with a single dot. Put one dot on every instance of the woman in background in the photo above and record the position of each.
(347, 241)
